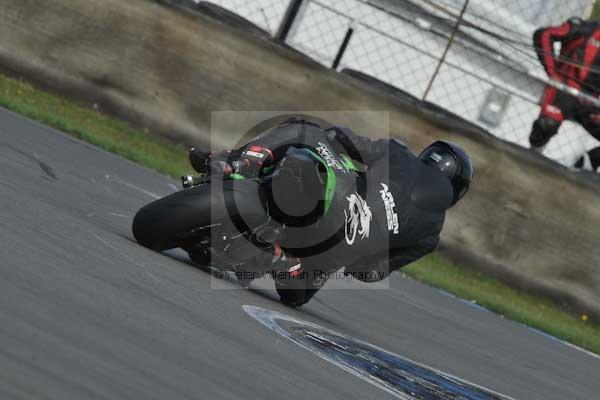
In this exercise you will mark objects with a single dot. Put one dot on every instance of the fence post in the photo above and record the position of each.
(343, 47)
(288, 20)
(443, 58)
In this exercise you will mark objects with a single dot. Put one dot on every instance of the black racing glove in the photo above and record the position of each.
(252, 160)
(211, 163)
(247, 162)
(200, 160)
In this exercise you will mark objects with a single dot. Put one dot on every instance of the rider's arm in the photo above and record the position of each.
(367, 270)
(359, 148)
(265, 149)
(544, 39)
(248, 158)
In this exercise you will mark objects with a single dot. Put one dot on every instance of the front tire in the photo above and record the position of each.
(184, 218)
(167, 223)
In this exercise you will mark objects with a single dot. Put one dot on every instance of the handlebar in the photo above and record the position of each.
(189, 181)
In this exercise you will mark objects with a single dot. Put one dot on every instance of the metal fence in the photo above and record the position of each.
(474, 58)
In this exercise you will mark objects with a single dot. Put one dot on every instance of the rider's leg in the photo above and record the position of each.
(288, 274)
(587, 118)
(273, 142)
(544, 128)
(549, 120)
(315, 272)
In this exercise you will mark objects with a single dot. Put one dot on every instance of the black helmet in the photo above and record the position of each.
(452, 160)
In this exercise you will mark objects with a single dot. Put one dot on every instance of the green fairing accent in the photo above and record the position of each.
(236, 177)
(330, 184)
(266, 170)
(348, 163)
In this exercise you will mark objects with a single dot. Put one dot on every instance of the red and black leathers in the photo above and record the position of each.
(577, 66)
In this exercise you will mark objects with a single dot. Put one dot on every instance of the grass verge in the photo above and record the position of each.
(171, 159)
(596, 12)
(93, 127)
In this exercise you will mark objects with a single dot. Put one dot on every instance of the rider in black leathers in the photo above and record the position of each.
(377, 220)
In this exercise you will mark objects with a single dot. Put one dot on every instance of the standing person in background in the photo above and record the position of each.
(577, 66)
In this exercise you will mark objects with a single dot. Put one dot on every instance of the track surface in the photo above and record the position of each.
(87, 313)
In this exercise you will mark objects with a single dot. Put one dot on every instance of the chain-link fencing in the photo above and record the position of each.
(474, 58)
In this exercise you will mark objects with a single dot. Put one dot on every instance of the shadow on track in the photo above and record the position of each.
(268, 294)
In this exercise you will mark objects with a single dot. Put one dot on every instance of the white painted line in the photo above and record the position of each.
(134, 187)
(119, 215)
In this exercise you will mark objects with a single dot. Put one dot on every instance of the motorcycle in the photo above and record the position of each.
(227, 221)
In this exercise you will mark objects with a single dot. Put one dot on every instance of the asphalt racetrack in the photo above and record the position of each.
(86, 313)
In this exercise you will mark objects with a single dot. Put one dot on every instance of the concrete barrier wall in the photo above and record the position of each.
(526, 220)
